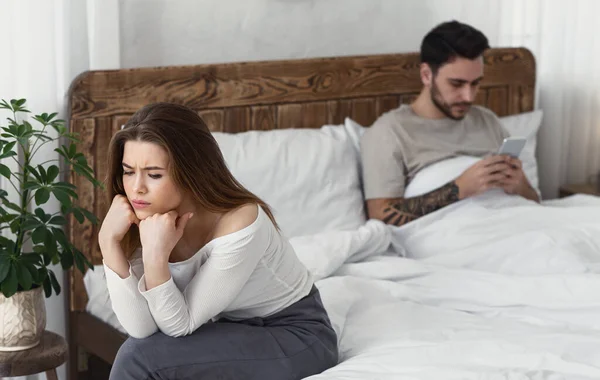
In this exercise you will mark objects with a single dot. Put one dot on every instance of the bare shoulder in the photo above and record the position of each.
(237, 219)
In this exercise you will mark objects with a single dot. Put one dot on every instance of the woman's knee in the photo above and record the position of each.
(131, 361)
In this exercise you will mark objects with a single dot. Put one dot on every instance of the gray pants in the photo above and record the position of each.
(295, 343)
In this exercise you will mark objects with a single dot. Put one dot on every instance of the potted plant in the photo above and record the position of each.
(35, 239)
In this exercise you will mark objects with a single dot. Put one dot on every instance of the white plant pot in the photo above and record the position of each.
(22, 320)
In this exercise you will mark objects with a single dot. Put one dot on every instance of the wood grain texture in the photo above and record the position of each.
(237, 97)
(106, 93)
(49, 354)
(82, 235)
(105, 339)
(213, 119)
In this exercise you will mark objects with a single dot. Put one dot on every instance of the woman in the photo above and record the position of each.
(198, 273)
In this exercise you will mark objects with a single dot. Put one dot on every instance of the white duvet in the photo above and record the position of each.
(494, 287)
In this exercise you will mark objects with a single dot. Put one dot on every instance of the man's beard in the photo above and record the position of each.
(445, 108)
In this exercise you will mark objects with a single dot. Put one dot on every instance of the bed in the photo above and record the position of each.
(381, 285)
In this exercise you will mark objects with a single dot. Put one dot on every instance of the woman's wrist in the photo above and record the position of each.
(156, 272)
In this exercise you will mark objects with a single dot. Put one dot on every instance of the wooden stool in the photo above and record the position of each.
(45, 357)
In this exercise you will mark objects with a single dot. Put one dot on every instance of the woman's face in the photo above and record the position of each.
(148, 186)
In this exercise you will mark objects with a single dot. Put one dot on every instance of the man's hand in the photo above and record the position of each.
(486, 174)
(515, 182)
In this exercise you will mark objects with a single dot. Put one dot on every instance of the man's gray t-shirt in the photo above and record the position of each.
(400, 143)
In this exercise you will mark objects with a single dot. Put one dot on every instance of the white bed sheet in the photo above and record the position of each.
(493, 288)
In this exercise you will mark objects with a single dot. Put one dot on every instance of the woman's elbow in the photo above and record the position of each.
(177, 333)
(180, 330)
(140, 333)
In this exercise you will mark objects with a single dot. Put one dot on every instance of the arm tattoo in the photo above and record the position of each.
(402, 211)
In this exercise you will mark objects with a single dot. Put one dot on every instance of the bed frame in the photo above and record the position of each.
(236, 97)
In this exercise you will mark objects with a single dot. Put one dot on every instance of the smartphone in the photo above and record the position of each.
(512, 146)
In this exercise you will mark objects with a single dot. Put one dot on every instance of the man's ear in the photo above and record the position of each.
(426, 74)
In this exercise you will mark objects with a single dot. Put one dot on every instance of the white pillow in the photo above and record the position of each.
(526, 125)
(309, 177)
(438, 174)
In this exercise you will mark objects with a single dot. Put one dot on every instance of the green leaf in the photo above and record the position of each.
(65, 189)
(8, 147)
(50, 245)
(31, 185)
(19, 102)
(12, 206)
(39, 235)
(72, 137)
(7, 218)
(31, 258)
(54, 281)
(87, 262)
(24, 277)
(47, 287)
(8, 154)
(5, 171)
(41, 196)
(66, 185)
(78, 215)
(28, 128)
(33, 171)
(43, 174)
(15, 224)
(60, 236)
(62, 197)
(84, 172)
(30, 224)
(6, 244)
(66, 260)
(47, 259)
(42, 273)
(4, 266)
(39, 212)
(5, 105)
(58, 220)
(72, 150)
(23, 140)
(52, 173)
(91, 217)
(33, 271)
(62, 151)
(42, 136)
(79, 262)
(58, 127)
(21, 129)
(10, 283)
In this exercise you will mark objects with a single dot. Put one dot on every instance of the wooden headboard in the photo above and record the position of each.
(236, 97)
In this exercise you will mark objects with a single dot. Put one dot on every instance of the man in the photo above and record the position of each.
(441, 123)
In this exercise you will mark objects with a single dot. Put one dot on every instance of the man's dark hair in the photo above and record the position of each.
(450, 40)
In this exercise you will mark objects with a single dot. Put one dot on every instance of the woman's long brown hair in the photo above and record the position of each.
(196, 162)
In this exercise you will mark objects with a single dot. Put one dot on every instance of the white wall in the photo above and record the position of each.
(162, 32)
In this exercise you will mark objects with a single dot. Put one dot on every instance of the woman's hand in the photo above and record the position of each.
(159, 234)
(117, 222)
(115, 225)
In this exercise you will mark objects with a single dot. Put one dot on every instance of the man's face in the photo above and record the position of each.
(454, 87)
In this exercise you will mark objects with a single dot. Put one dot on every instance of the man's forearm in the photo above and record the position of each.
(402, 211)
